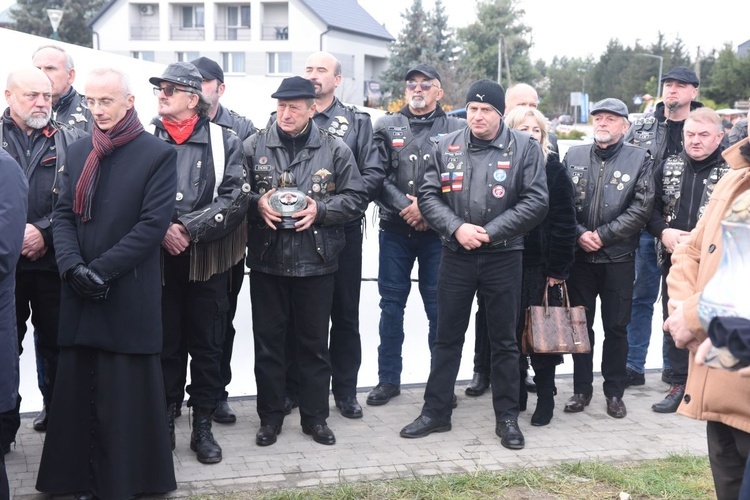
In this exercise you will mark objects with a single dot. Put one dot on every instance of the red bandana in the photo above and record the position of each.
(180, 131)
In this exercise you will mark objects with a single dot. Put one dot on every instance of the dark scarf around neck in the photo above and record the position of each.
(104, 143)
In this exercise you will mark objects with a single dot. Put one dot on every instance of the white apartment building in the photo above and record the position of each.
(257, 42)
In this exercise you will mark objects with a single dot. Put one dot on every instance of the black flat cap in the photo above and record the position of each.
(427, 70)
(682, 74)
(209, 69)
(181, 73)
(610, 105)
(295, 87)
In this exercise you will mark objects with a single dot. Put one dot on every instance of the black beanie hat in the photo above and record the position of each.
(487, 91)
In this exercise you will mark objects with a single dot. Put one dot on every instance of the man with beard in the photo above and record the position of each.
(213, 88)
(405, 140)
(662, 135)
(68, 106)
(39, 146)
(614, 198)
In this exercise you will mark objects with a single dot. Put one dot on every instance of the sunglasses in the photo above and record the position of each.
(425, 85)
(169, 90)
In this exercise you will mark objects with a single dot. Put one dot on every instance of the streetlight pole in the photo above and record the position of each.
(55, 16)
(661, 65)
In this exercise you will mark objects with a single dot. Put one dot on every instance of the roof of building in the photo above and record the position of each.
(348, 16)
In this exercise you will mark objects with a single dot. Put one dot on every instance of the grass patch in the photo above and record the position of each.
(675, 477)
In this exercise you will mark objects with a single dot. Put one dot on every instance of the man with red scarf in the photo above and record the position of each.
(106, 436)
(205, 239)
(38, 145)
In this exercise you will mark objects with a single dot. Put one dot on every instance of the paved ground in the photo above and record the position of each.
(370, 448)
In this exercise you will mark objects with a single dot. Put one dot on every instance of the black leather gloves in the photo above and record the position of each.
(86, 283)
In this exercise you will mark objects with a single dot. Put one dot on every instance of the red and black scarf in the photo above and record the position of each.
(104, 144)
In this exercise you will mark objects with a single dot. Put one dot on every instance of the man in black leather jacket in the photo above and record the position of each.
(485, 186)
(661, 134)
(405, 141)
(292, 264)
(213, 88)
(207, 236)
(355, 128)
(614, 198)
(39, 145)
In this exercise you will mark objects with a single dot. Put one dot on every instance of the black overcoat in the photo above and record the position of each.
(131, 210)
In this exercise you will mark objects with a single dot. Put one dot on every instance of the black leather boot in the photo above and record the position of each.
(202, 439)
(545, 391)
(171, 409)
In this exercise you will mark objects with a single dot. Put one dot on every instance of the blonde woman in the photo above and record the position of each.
(548, 253)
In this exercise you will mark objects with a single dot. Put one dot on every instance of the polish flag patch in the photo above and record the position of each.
(398, 142)
(503, 164)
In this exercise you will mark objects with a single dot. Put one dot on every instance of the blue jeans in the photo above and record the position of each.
(645, 294)
(397, 256)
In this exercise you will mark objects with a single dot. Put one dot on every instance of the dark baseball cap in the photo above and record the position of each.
(208, 68)
(427, 70)
(610, 105)
(181, 73)
(682, 74)
(295, 87)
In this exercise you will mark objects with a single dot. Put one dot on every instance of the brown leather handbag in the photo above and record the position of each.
(555, 330)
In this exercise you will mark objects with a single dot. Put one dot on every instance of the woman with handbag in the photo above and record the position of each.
(548, 255)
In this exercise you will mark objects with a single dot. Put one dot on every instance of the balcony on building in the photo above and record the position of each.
(232, 21)
(275, 21)
(144, 21)
(187, 22)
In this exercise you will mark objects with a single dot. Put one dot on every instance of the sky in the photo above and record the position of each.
(579, 28)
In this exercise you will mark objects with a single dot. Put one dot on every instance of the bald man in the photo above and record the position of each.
(68, 106)
(38, 144)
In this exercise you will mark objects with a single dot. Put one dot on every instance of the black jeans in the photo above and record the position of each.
(194, 315)
(236, 277)
(679, 359)
(613, 284)
(277, 300)
(497, 277)
(345, 346)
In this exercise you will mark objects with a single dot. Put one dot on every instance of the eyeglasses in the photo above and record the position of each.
(424, 85)
(89, 103)
(169, 90)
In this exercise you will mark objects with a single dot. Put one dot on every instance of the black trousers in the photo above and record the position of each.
(497, 278)
(345, 346)
(38, 296)
(194, 315)
(727, 452)
(613, 284)
(236, 277)
(277, 300)
(679, 359)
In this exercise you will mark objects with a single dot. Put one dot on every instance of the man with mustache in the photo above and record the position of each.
(38, 144)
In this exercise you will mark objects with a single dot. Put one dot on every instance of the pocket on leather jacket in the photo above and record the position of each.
(329, 241)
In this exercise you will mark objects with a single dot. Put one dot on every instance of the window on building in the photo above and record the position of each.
(279, 63)
(238, 16)
(192, 16)
(233, 62)
(187, 56)
(144, 55)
